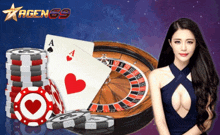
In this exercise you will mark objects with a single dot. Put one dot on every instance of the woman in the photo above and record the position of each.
(184, 87)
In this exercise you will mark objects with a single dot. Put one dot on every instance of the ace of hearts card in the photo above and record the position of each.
(77, 75)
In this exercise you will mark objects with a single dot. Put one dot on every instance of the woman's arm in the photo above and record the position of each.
(157, 103)
(207, 124)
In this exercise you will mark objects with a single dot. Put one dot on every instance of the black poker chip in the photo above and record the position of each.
(97, 122)
(9, 104)
(29, 84)
(68, 119)
(9, 109)
(31, 73)
(25, 68)
(123, 126)
(26, 54)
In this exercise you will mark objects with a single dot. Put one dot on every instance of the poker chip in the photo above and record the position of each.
(31, 73)
(27, 63)
(25, 68)
(11, 99)
(97, 122)
(9, 104)
(29, 84)
(33, 106)
(26, 78)
(9, 109)
(18, 89)
(58, 106)
(26, 54)
(70, 119)
(11, 94)
(10, 115)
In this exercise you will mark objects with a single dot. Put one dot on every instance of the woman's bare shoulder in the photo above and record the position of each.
(157, 76)
(159, 72)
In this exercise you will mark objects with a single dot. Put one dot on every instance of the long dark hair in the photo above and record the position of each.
(204, 77)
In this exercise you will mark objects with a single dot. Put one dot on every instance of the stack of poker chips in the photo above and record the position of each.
(25, 67)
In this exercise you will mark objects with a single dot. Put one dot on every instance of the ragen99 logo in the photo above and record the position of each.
(61, 14)
(37, 13)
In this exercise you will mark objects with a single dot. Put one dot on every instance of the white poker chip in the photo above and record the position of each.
(67, 120)
(29, 84)
(31, 73)
(26, 54)
(26, 78)
(25, 68)
(97, 122)
(28, 63)
(33, 106)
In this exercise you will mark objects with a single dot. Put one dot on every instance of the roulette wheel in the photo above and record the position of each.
(125, 95)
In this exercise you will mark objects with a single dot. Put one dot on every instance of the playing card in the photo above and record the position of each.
(78, 79)
(56, 44)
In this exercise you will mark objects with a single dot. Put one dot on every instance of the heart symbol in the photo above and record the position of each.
(68, 58)
(32, 107)
(50, 49)
(73, 85)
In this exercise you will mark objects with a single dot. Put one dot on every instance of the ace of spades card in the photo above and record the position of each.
(77, 75)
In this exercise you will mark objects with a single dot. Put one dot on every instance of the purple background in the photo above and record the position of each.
(135, 22)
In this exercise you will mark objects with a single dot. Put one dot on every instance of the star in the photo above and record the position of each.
(11, 13)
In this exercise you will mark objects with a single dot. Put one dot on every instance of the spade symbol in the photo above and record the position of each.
(50, 49)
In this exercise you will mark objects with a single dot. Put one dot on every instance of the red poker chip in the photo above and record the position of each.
(11, 99)
(26, 78)
(58, 106)
(11, 94)
(33, 106)
(27, 63)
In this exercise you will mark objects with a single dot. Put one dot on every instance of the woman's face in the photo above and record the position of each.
(183, 44)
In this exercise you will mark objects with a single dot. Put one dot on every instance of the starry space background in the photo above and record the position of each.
(141, 23)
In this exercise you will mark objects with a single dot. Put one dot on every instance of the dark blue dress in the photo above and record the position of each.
(176, 124)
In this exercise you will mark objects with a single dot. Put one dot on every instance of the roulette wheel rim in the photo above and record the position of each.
(130, 123)
(126, 50)
(133, 123)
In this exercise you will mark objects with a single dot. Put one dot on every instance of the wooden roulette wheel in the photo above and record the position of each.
(125, 94)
